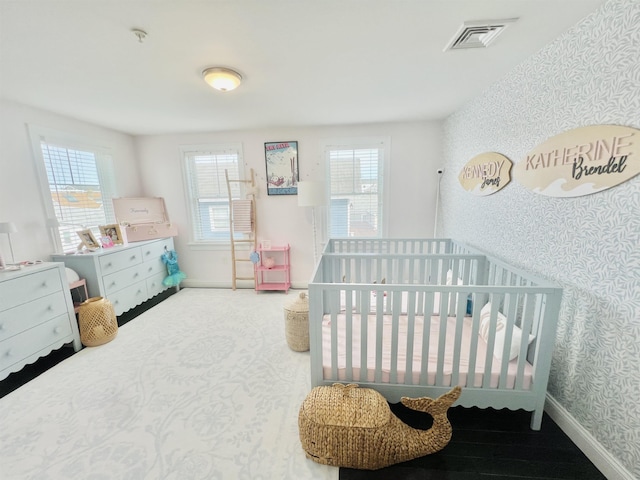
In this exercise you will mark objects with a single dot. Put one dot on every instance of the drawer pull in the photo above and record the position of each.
(109, 265)
(9, 353)
(112, 284)
(1, 326)
(133, 257)
(44, 284)
(56, 330)
(135, 275)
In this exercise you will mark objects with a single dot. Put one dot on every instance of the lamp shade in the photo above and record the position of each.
(311, 194)
(223, 79)
(8, 227)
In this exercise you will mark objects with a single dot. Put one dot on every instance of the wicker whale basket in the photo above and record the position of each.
(347, 426)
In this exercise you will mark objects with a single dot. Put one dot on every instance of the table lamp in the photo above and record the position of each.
(9, 228)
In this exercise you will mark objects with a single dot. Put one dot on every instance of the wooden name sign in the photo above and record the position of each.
(485, 174)
(581, 161)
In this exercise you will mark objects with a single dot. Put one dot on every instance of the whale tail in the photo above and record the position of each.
(436, 407)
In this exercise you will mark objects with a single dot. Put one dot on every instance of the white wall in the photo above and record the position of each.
(415, 155)
(590, 245)
(20, 198)
(151, 166)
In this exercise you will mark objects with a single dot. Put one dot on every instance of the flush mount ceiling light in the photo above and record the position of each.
(223, 79)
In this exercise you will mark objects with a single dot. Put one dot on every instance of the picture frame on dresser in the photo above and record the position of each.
(88, 240)
(113, 232)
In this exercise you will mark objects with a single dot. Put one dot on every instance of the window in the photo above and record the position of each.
(356, 179)
(78, 185)
(208, 196)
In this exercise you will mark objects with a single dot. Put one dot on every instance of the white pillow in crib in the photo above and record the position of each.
(501, 323)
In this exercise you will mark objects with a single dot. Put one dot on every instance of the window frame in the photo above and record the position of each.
(383, 144)
(105, 170)
(187, 151)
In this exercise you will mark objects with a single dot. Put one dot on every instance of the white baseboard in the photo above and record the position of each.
(594, 451)
(187, 283)
(242, 284)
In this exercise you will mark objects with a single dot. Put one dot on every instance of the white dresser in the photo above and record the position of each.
(36, 315)
(127, 275)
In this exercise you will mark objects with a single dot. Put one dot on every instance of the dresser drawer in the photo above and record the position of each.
(23, 317)
(27, 287)
(156, 249)
(155, 267)
(123, 279)
(114, 262)
(33, 341)
(154, 284)
(129, 297)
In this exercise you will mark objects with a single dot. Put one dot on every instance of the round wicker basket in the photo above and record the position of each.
(296, 316)
(97, 321)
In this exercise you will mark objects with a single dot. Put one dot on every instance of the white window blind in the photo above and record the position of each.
(81, 186)
(207, 189)
(356, 190)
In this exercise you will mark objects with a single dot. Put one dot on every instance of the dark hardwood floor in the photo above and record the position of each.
(486, 444)
(489, 444)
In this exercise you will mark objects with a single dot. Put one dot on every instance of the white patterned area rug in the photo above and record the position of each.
(201, 386)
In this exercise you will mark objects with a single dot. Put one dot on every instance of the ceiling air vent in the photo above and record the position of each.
(478, 34)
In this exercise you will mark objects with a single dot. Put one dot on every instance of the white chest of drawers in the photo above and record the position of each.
(36, 315)
(127, 275)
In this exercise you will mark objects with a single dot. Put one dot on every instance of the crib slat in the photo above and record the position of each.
(442, 341)
(411, 320)
(379, 332)
(426, 338)
(475, 338)
(495, 300)
(511, 303)
(528, 308)
(364, 337)
(395, 327)
(348, 335)
(334, 333)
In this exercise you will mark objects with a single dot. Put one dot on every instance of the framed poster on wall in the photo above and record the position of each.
(282, 167)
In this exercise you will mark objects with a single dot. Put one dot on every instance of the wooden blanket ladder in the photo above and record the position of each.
(242, 225)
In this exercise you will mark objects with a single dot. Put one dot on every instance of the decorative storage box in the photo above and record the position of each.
(143, 218)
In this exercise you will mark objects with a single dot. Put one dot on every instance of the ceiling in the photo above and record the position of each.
(304, 62)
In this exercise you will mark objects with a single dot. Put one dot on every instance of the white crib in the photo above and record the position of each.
(414, 317)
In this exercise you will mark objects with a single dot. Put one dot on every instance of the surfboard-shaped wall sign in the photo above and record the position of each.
(485, 174)
(581, 161)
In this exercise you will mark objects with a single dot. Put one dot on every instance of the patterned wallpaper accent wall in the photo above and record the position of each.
(589, 245)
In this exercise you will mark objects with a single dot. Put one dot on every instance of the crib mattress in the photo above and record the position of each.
(435, 322)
